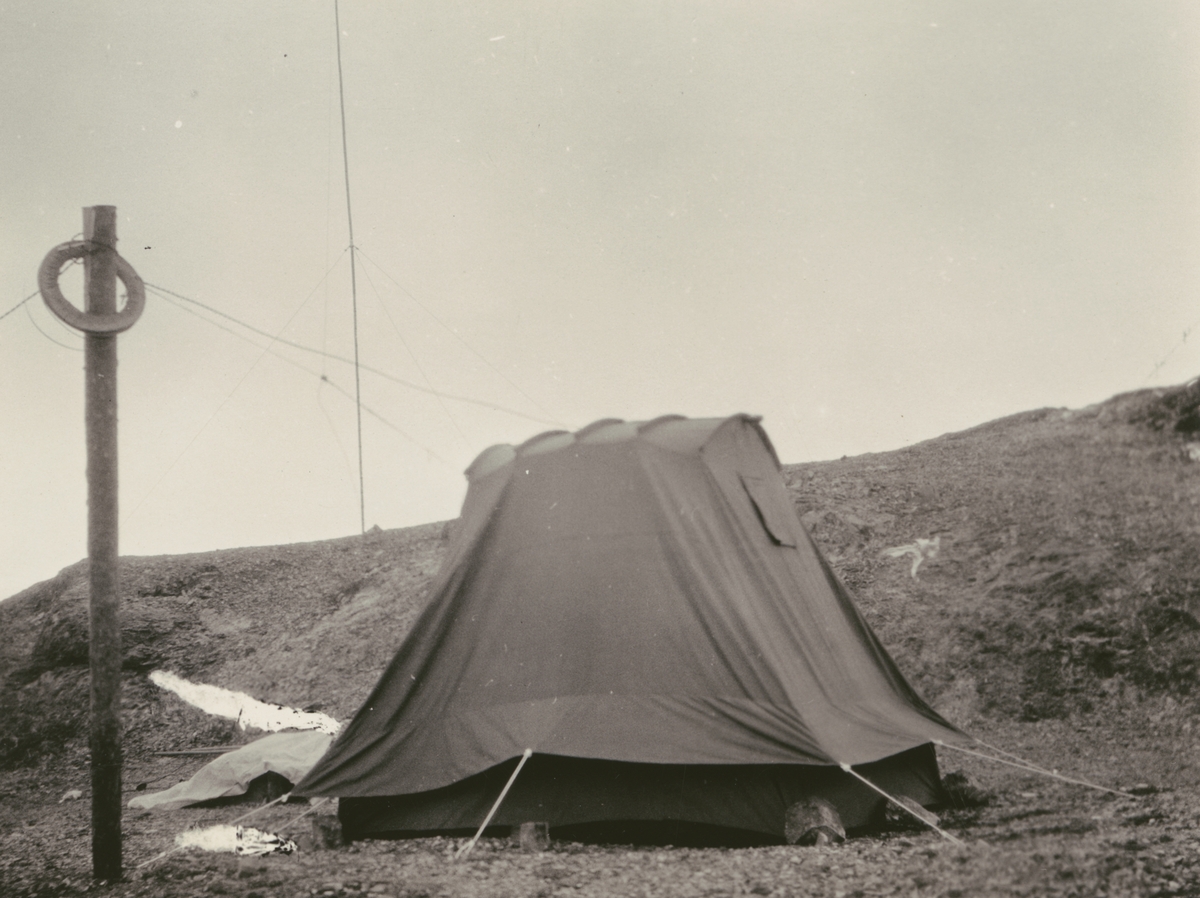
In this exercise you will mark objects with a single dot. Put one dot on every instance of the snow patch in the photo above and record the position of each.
(247, 711)
(234, 840)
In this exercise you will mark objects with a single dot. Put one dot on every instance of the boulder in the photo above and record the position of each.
(813, 822)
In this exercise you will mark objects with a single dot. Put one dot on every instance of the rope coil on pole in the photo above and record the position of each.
(90, 322)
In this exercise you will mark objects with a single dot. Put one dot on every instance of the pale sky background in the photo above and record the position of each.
(871, 223)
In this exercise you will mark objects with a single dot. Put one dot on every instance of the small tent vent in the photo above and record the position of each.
(775, 519)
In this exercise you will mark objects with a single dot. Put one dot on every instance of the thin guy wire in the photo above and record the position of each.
(35, 292)
(854, 773)
(459, 338)
(305, 813)
(33, 321)
(18, 305)
(362, 492)
(258, 810)
(1186, 333)
(319, 375)
(1022, 764)
(387, 423)
(203, 427)
(333, 427)
(224, 401)
(412, 355)
(330, 355)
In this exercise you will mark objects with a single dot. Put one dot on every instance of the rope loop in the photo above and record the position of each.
(90, 322)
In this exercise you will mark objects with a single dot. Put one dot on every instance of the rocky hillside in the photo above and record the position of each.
(307, 625)
(1067, 579)
(1068, 570)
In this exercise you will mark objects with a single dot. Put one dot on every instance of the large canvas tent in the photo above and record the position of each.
(639, 604)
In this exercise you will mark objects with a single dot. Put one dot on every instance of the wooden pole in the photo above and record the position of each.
(100, 363)
(100, 322)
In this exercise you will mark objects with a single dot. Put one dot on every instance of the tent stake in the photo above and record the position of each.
(897, 803)
(466, 849)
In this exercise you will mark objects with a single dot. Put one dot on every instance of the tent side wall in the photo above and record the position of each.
(572, 792)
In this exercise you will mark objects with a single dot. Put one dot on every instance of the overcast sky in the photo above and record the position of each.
(871, 223)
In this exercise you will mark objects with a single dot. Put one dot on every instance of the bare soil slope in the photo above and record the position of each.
(304, 625)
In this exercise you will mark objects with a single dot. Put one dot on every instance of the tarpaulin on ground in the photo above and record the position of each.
(291, 755)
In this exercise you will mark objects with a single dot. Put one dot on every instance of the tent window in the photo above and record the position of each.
(776, 520)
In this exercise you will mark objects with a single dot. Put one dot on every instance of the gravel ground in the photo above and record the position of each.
(1038, 837)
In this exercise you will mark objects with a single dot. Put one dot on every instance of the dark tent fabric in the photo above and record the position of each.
(640, 605)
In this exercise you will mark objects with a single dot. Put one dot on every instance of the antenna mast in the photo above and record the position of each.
(362, 493)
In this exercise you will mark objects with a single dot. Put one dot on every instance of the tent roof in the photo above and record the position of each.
(634, 591)
(674, 432)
